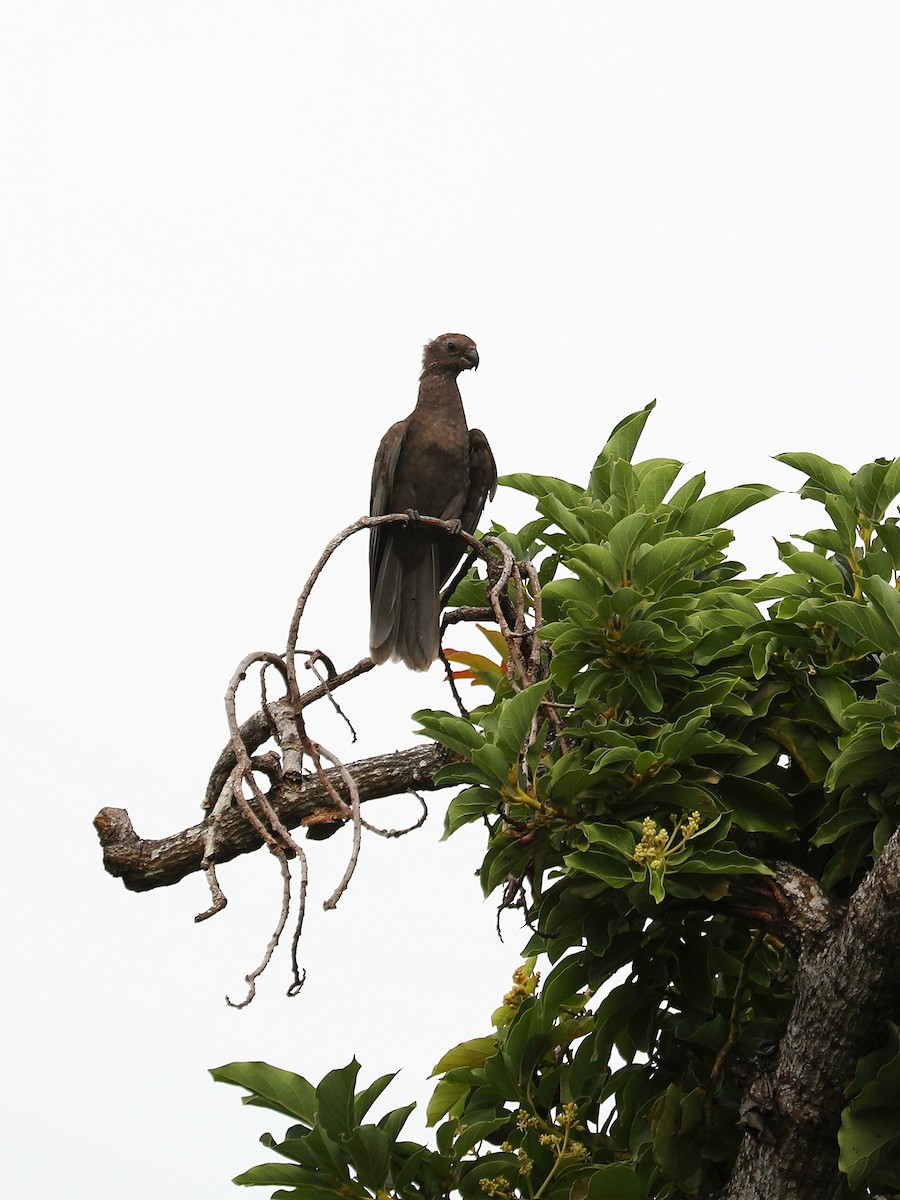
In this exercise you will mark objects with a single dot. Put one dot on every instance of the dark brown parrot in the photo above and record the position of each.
(433, 465)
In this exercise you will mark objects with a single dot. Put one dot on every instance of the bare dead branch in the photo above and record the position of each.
(451, 678)
(256, 729)
(311, 664)
(395, 833)
(147, 863)
(350, 784)
(242, 816)
(274, 939)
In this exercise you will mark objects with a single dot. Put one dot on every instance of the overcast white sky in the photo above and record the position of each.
(226, 229)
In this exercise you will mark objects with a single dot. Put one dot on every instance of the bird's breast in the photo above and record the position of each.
(434, 466)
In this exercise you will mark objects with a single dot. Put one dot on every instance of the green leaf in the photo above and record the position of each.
(687, 495)
(563, 983)
(449, 730)
(319, 1152)
(597, 568)
(601, 865)
(367, 1097)
(445, 1098)
(875, 485)
(889, 537)
(470, 805)
(613, 1182)
(475, 1133)
(758, 807)
(506, 856)
(885, 598)
(370, 1152)
(271, 1087)
(394, 1121)
(723, 862)
(656, 882)
(473, 1053)
(807, 562)
(516, 716)
(655, 477)
(828, 475)
(494, 762)
(565, 518)
(802, 745)
(644, 683)
(714, 510)
(835, 694)
(861, 759)
(625, 536)
(492, 1166)
(827, 539)
(283, 1175)
(455, 773)
(870, 1125)
(842, 822)
(677, 1147)
(334, 1100)
(543, 485)
(621, 444)
(859, 619)
(681, 797)
(616, 837)
(673, 556)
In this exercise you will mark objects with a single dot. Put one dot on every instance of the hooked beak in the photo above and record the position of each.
(471, 357)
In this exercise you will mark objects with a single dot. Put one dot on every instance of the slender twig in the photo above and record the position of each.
(451, 679)
(467, 612)
(297, 978)
(496, 594)
(313, 657)
(457, 579)
(733, 1025)
(271, 830)
(350, 784)
(395, 833)
(274, 939)
(219, 899)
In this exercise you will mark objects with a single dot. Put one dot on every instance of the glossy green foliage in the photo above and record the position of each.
(688, 724)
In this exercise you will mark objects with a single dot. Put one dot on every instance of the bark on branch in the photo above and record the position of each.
(146, 863)
(847, 985)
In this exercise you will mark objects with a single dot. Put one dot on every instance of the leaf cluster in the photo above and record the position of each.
(691, 724)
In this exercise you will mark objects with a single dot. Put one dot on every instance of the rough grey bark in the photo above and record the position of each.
(847, 986)
(146, 863)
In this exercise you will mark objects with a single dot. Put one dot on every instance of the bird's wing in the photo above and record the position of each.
(482, 479)
(482, 483)
(380, 499)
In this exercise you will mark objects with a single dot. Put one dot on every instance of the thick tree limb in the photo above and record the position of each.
(847, 985)
(789, 903)
(146, 863)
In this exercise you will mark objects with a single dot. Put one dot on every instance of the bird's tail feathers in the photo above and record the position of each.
(405, 610)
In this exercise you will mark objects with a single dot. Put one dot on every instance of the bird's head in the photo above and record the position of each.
(450, 353)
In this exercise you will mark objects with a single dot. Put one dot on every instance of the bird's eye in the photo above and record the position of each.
(452, 347)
